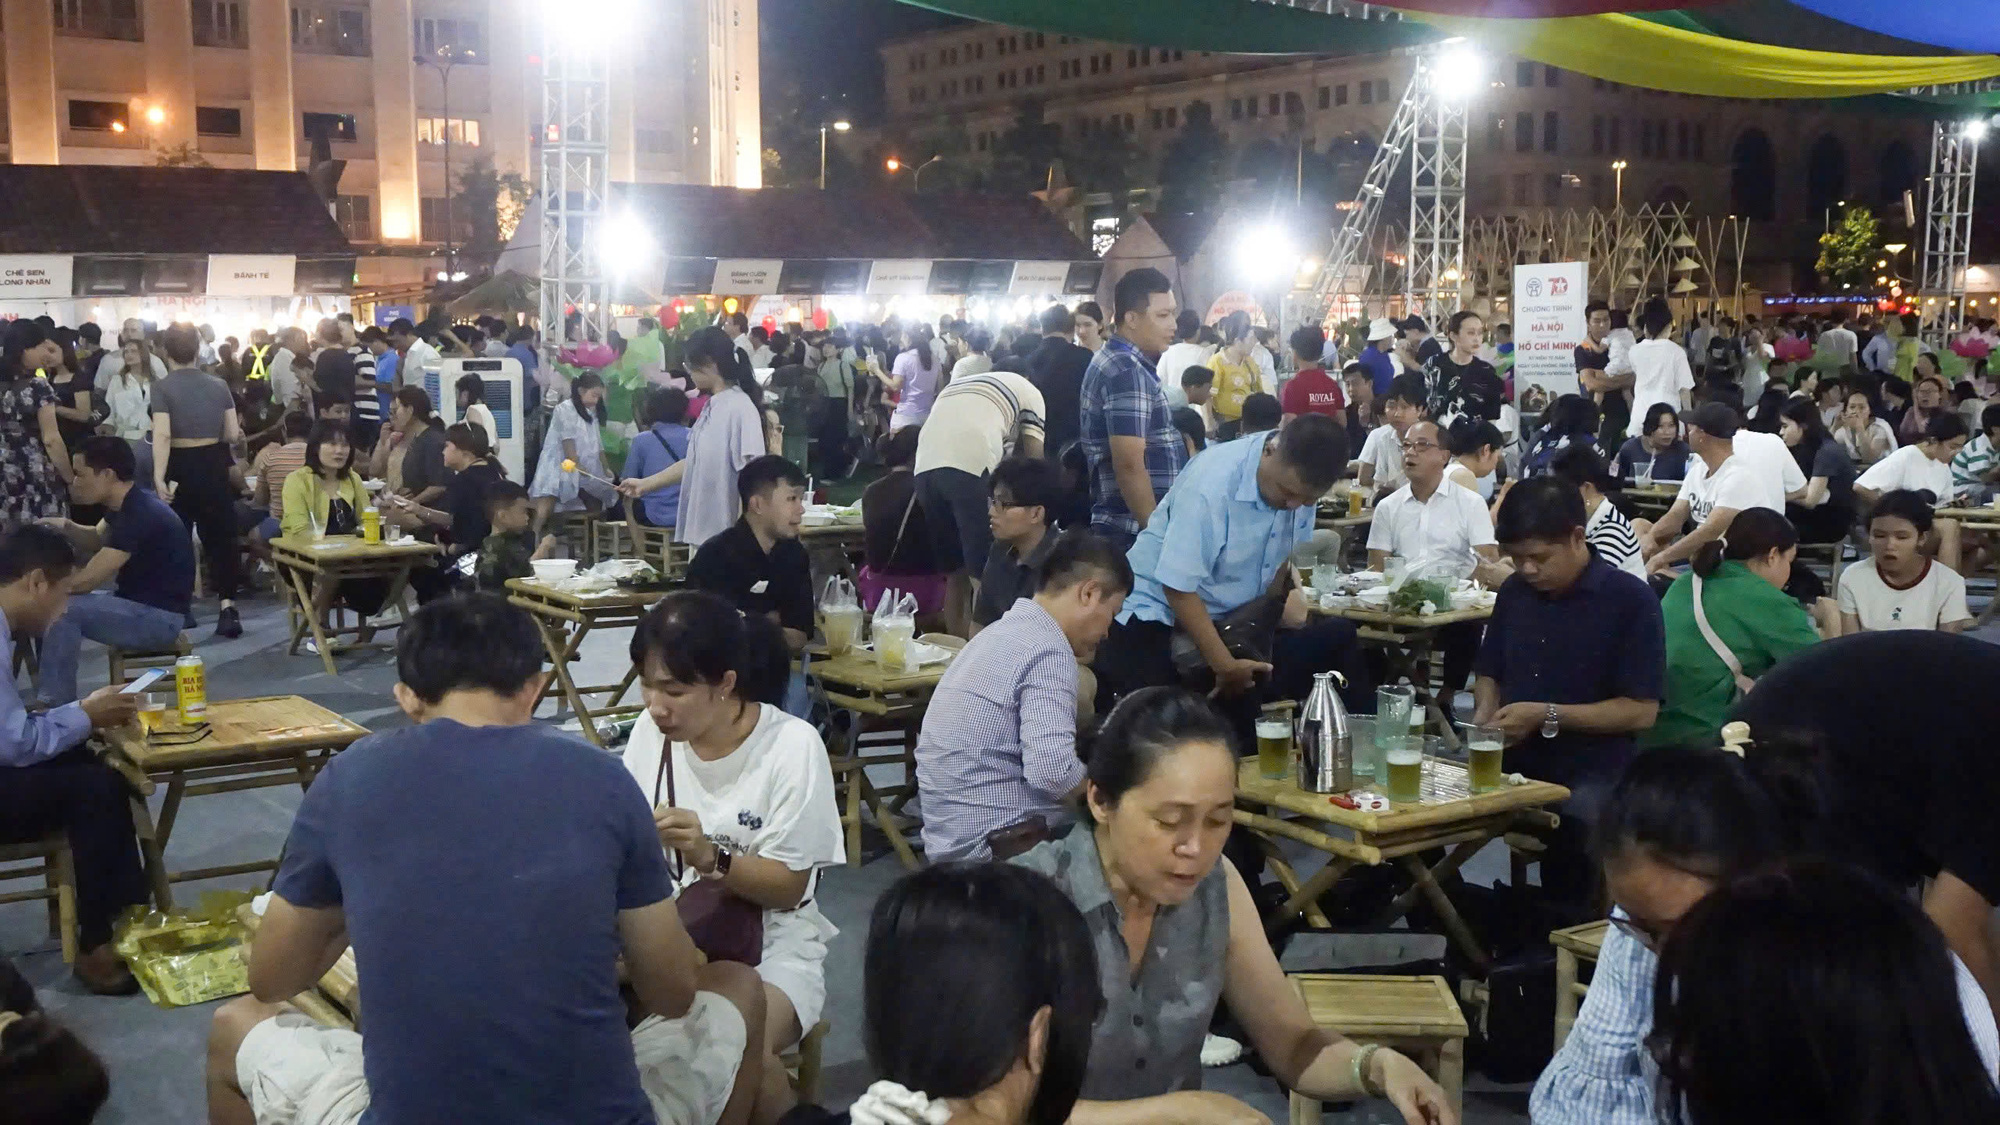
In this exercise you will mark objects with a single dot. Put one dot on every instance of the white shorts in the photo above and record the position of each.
(794, 960)
(295, 1072)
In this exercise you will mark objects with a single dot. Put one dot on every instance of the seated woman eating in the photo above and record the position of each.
(742, 795)
(325, 498)
(1177, 933)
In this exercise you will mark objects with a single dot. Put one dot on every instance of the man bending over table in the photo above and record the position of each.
(489, 872)
(49, 781)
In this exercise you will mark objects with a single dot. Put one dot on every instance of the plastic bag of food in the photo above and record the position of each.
(187, 956)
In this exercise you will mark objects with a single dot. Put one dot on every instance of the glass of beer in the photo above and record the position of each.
(1403, 761)
(1354, 502)
(1486, 746)
(1274, 747)
(153, 707)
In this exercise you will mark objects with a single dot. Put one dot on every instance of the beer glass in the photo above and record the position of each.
(1485, 746)
(1403, 761)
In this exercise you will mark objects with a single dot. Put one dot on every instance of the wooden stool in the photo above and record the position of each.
(1522, 850)
(49, 860)
(1415, 1015)
(125, 665)
(606, 540)
(1573, 945)
(656, 545)
(803, 1063)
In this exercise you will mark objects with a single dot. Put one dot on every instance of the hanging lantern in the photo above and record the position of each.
(1684, 285)
(1686, 264)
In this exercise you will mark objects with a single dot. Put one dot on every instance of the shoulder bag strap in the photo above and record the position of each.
(901, 527)
(1729, 661)
(663, 775)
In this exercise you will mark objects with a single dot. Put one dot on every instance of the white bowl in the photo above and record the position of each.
(553, 570)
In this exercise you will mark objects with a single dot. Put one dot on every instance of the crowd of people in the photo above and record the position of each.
(1113, 510)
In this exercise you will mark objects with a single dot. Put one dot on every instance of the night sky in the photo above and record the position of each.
(827, 48)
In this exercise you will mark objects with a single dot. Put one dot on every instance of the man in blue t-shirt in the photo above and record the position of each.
(488, 873)
(142, 546)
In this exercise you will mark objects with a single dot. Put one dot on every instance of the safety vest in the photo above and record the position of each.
(257, 368)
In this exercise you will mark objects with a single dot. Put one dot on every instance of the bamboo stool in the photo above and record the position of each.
(1415, 1015)
(803, 1063)
(124, 664)
(48, 859)
(1574, 945)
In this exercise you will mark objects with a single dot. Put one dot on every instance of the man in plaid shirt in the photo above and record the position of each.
(1128, 430)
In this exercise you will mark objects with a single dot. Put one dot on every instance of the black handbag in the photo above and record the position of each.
(724, 926)
(1249, 632)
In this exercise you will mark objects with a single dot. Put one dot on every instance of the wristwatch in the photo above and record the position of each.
(721, 869)
(1552, 725)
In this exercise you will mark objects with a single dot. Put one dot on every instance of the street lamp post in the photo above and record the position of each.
(1618, 170)
(838, 127)
(917, 178)
(443, 60)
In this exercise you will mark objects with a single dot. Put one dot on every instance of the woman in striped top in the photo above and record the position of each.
(1614, 537)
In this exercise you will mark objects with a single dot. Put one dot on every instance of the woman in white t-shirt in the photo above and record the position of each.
(1660, 371)
(1898, 586)
(747, 798)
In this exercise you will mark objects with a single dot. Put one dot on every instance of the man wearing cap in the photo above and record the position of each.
(1720, 483)
(1381, 367)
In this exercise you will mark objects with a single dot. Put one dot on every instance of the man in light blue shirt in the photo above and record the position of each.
(50, 782)
(1222, 538)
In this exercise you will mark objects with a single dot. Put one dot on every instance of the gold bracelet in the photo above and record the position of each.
(1362, 1058)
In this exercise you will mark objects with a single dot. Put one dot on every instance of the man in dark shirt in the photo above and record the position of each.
(333, 368)
(1939, 825)
(758, 563)
(1021, 494)
(1056, 369)
(1572, 668)
(141, 545)
(491, 872)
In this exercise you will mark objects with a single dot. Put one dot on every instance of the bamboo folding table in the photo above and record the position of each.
(857, 682)
(564, 619)
(305, 565)
(1406, 640)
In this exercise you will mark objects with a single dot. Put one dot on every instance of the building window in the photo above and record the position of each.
(1145, 56)
(1173, 116)
(1159, 119)
(461, 130)
(1524, 74)
(1041, 73)
(1041, 40)
(1325, 97)
(432, 217)
(106, 116)
(334, 126)
(219, 23)
(98, 19)
(460, 39)
(218, 121)
(1273, 103)
(1551, 77)
(1496, 132)
(1382, 90)
(1340, 94)
(1128, 124)
(1551, 137)
(1617, 134)
(356, 216)
(1131, 58)
(1700, 141)
(1521, 189)
(330, 29)
(1524, 132)
(1597, 134)
(1600, 195)
(1250, 105)
(1551, 190)
(1367, 93)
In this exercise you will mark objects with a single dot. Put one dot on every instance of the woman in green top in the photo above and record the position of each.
(1741, 577)
(326, 498)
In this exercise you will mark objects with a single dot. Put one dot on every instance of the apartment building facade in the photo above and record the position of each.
(250, 83)
(1541, 137)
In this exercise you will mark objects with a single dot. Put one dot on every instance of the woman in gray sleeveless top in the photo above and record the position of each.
(1175, 932)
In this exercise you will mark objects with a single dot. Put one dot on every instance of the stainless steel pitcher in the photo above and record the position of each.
(1325, 739)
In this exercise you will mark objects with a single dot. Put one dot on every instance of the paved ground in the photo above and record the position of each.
(155, 1055)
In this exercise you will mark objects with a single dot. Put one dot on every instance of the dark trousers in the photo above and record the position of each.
(203, 500)
(1569, 875)
(1458, 645)
(87, 800)
(830, 430)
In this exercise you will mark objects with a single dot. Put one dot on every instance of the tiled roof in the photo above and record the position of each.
(100, 209)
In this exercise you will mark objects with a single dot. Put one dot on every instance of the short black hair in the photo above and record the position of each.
(468, 642)
(296, 425)
(1315, 446)
(472, 386)
(1595, 306)
(1187, 322)
(1134, 292)
(1906, 504)
(1944, 427)
(1716, 419)
(104, 453)
(1057, 320)
(1144, 728)
(90, 333)
(469, 439)
(900, 448)
(372, 334)
(1081, 554)
(1188, 421)
(401, 326)
(699, 637)
(1261, 412)
(501, 493)
(764, 473)
(1408, 388)
(1989, 418)
(667, 405)
(1031, 482)
(1547, 509)
(1579, 464)
(31, 547)
(1195, 374)
(1655, 315)
(418, 402)
(181, 343)
(1309, 342)
(323, 432)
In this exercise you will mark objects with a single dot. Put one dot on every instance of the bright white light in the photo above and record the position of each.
(589, 26)
(1976, 130)
(1458, 73)
(1266, 254)
(460, 276)
(626, 244)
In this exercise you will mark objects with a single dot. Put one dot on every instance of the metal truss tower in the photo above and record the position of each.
(1430, 123)
(1948, 222)
(576, 180)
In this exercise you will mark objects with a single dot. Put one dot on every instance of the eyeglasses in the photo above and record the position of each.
(1421, 445)
(995, 504)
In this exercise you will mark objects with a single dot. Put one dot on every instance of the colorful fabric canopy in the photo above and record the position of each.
(1541, 9)
(1663, 51)
(1944, 23)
